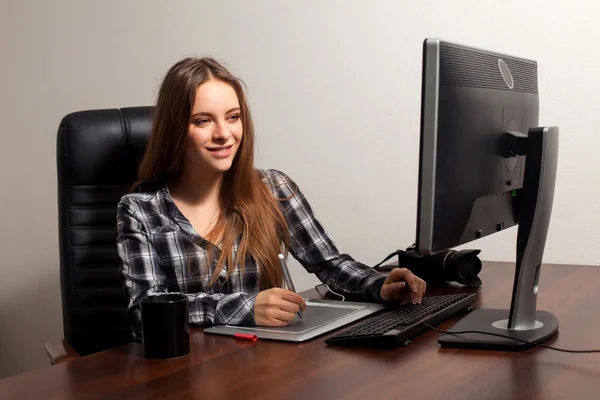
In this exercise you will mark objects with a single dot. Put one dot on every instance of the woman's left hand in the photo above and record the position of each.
(395, 286)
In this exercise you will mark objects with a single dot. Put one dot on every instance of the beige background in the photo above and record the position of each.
(335, 91)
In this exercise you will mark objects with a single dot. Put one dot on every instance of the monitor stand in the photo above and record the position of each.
(522, 321)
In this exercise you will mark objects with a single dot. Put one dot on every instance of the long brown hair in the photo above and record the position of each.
(248, 207)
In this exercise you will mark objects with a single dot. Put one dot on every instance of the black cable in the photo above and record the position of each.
(509, 337)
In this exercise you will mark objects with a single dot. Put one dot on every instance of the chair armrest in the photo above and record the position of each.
(60, 351)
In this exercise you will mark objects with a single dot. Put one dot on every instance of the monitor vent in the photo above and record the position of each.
(465, 67)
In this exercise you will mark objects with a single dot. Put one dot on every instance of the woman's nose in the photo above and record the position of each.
(221, 131)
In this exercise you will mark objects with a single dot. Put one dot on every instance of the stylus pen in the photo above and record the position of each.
(288, 278)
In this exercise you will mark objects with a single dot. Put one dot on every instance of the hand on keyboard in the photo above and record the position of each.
(395, 286)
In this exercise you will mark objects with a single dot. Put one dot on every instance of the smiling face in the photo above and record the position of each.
(215, 127)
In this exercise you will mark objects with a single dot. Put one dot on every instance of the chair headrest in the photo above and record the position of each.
(103, 147)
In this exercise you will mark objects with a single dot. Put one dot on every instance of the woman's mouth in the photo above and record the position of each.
(221, 151)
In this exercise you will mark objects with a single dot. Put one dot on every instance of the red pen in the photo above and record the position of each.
(246, 336)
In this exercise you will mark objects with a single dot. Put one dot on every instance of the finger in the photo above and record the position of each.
(270, 322)
(392, 291)
(275, 322)
(283, 315)
(398, 286)
(288, 306)
(396, 275)
(413, 282)
(419, 293)
(403, 274)
(414, 298)
(293, 297)
(422, 288)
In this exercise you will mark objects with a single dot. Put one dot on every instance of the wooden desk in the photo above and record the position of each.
(223, 368)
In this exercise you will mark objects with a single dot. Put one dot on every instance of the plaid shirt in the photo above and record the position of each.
(159, 249)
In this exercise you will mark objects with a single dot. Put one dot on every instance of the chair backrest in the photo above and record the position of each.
(98, 153)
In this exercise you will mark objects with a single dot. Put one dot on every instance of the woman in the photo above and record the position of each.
(201, 220)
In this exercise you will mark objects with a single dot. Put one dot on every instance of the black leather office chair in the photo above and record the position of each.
(98, 153)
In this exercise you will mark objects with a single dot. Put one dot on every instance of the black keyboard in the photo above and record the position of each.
(391, 328)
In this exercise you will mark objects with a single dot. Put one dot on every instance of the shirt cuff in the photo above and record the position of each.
(374, 284)
(250, 299)
(236, 309)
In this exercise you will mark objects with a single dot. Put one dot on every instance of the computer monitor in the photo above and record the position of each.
(486, 165)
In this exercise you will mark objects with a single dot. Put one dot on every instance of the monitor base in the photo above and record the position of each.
(482, 320)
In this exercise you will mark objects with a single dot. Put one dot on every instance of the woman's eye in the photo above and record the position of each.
(201, 122)
(234, 117)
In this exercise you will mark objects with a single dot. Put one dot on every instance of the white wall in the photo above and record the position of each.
(335, 91)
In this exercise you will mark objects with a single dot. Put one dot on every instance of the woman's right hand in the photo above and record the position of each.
(277, 307)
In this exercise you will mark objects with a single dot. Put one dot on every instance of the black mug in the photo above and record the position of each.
(165, 325)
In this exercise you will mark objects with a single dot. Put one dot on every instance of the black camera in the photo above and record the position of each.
(460, 266)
